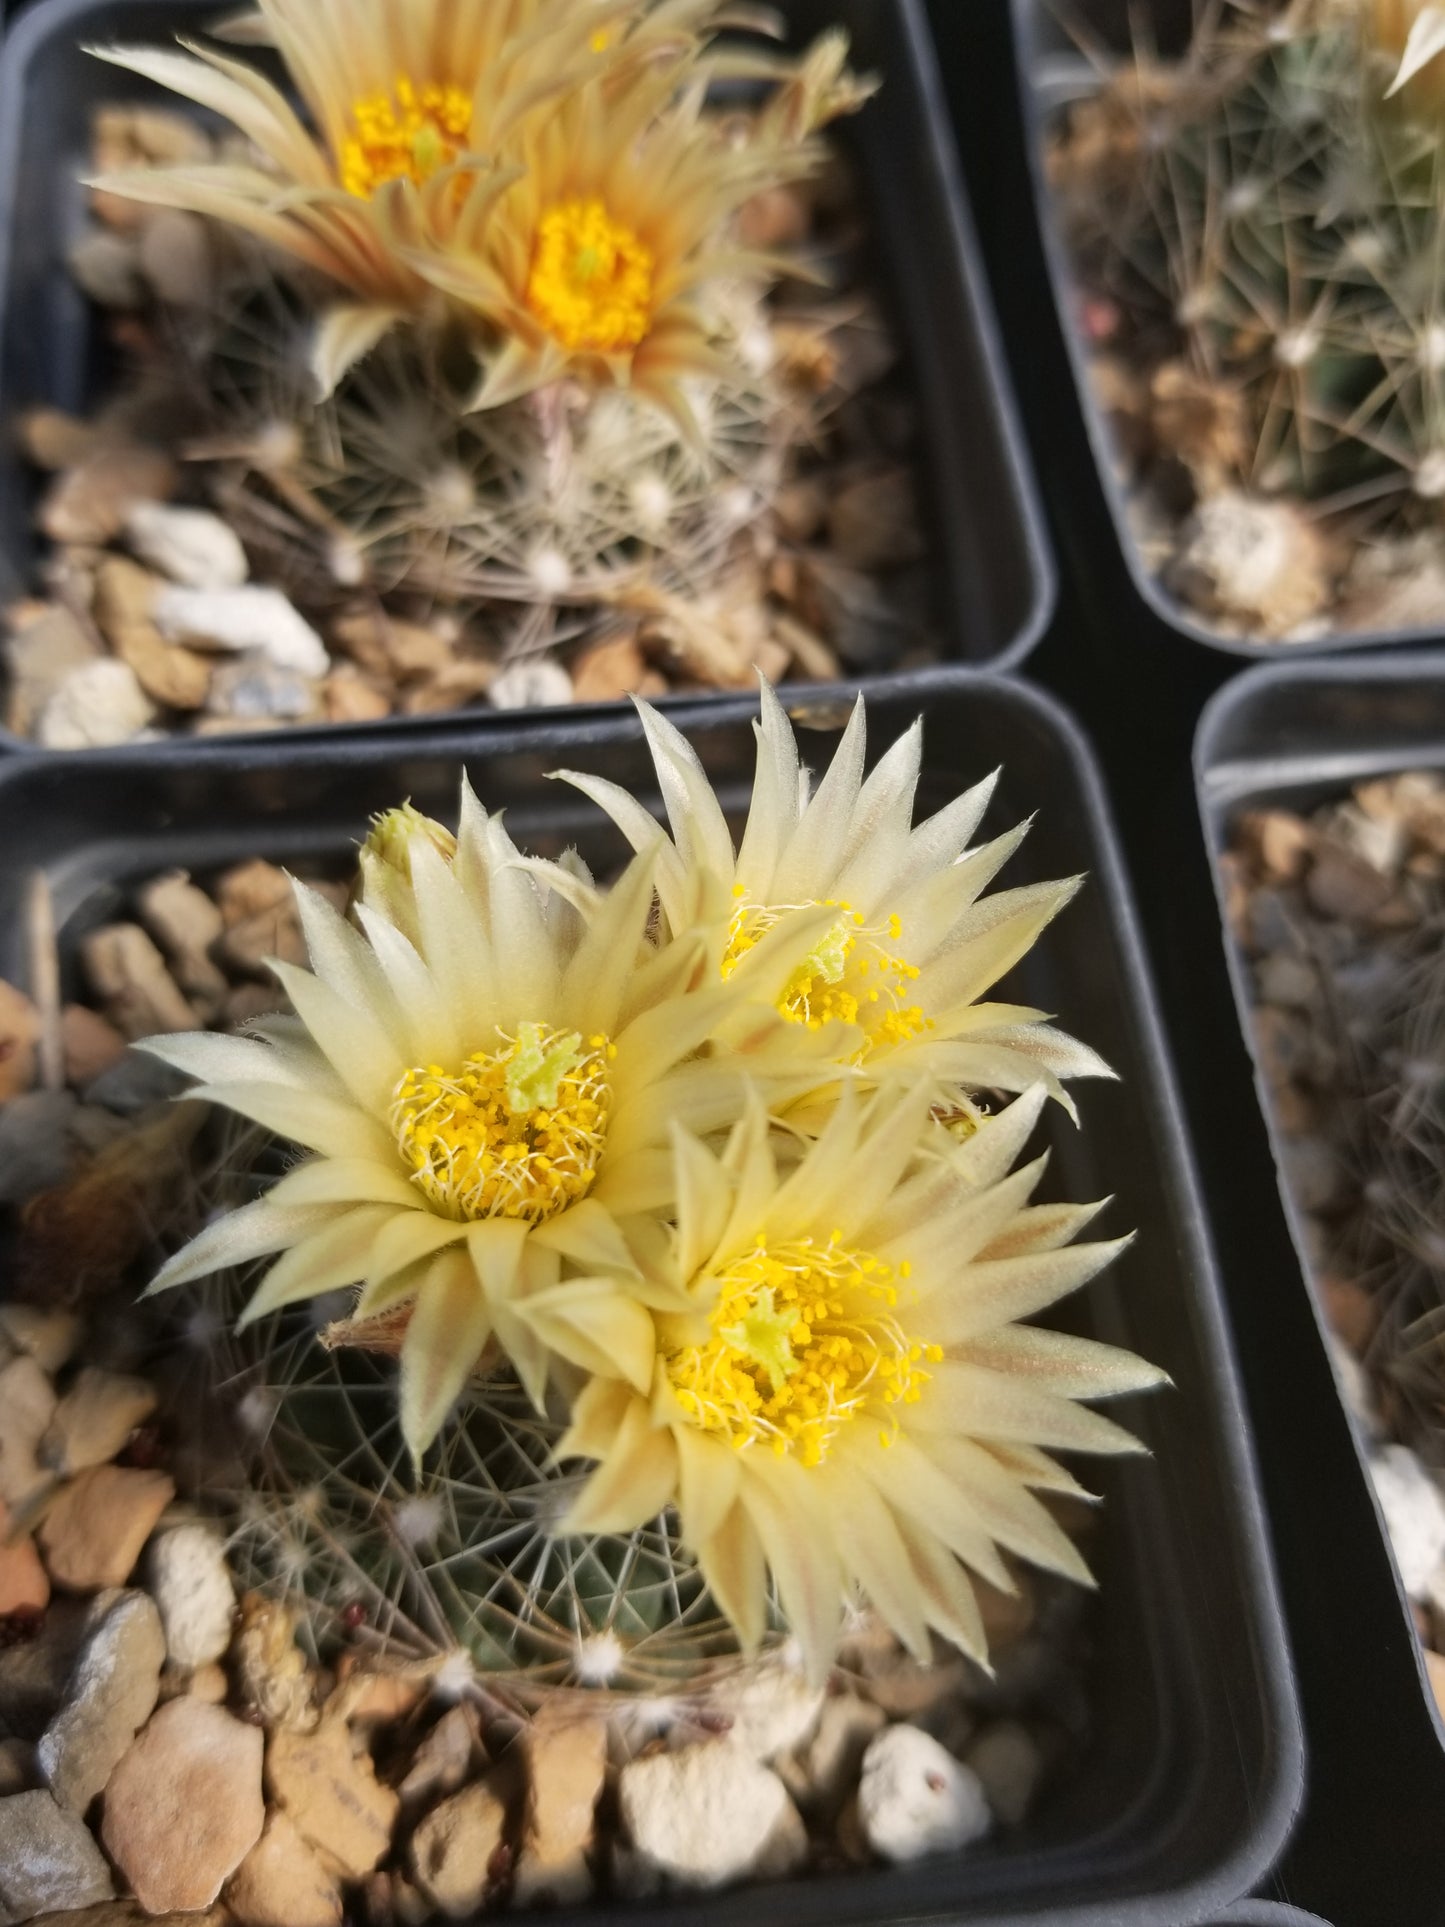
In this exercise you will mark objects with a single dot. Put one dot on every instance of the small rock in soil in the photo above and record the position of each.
(333, 1796)
(566, 1769)
(37, 1147)
(18, 1771)
(446, 1759)
(768, 1709)
(1414, 1515)
(39, 658)
(93, 1534)
(610, 670)
(27, 1405)
(349, 697)
(283, 1883)
(48, 1860)
(90, 503)
(1009, 1766)
(24, 1582)
(43, 1333)
(246, 620)
(275, 1681)
(531, 685)
(37, 1661)
(709, 1814)
(1260, 563)
(96, 707)
(191, 1584)
(250, 889)
(1342, 884)
(52, 439)
(826, 1769)
(915, 1799)
(91, 1045)
(129, 976)
(185, 923)
(111, 1695)
(106, 267)
(873, 520)
(184, 1807)
(452, 1850)
(134, 1083)
(176, 257)
(19, 1034)
(252, 690)
(94, 1420)
(125, 595)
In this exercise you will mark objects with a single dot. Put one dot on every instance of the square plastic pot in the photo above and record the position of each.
(1093, 519)
(1193, 1769)
(1293, 736)
(993, 577)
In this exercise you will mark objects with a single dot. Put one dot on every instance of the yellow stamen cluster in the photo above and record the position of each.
(409, 134)
(851, 973)
(514, 1133)
(591, 284)
(803, 1338)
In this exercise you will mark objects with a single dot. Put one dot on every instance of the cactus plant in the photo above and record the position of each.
(1262, 213)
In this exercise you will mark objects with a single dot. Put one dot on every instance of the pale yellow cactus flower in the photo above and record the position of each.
(850, 1400)
(486, 1098)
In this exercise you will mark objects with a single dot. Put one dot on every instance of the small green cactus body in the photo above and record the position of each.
(1261, 209)
(543, 519)
(324, 1513)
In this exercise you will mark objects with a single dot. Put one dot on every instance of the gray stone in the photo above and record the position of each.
(27, 1405)
(254, 690)
(34, 1673)
(111, 1695)
(134, 1083)
(48, 1860)
(35, 1143)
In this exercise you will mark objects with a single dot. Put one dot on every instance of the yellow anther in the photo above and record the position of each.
(802, 1339)
(591, 284)
(832, 984)
(410, 134)
(514, 1133)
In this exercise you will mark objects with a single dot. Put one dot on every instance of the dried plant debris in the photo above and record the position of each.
(1253, 225)
(232, 546)
(401, 1654)
(1341, 916)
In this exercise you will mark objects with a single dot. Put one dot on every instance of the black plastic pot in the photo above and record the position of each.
(1194, 1768)
(993, 588)
(1268, 1913)
(1292, 737)
(1091, 511)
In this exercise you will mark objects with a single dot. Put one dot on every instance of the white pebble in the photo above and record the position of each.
(914, 1798)
(1414, 1515)
(240, 619)
(97, 705)
(191, 1584)
(191, 546)
(709, 1814)
(532, 685)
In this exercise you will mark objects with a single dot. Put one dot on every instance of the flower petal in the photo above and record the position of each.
(447, 1335)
